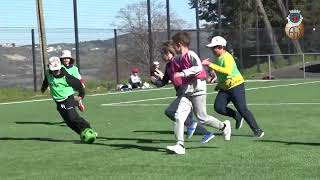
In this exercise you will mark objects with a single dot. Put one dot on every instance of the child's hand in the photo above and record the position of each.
(178, 74)
(177, 78)
(206, 62)
(82, 82)
(77, 98)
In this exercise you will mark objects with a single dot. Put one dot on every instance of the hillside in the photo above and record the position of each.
(97, 60)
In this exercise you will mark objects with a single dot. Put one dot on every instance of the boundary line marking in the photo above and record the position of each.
(250, 104)
(157, 89)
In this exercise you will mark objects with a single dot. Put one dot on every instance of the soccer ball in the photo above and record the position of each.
(88, 136)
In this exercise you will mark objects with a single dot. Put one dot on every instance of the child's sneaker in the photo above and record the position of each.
(227, 130)
(258, 133)
(176, 149)
(239, 123)
(191, 129)
(207, 137)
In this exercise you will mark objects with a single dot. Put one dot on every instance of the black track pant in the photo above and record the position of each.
(70, 116)
(238, 97)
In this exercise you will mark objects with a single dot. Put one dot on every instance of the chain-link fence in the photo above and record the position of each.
(98, 53)
(108, 55)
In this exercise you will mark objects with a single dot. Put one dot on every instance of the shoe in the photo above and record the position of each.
(81, 106)
(258, 133)
(191, 129)
(207, 137)
(239, 123)
(227, 130)
(176, 149)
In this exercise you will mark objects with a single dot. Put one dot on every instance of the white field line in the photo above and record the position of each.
(125, 92)
(171, 97)
(91, 95)
(251, 104)
(157, 89)
(22, 102)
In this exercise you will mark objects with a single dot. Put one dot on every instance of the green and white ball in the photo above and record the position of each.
(88, 136)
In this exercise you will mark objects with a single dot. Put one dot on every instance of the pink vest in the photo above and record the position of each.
(184, 62)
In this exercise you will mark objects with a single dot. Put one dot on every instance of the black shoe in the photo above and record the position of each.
(239, 123)
(258, 133)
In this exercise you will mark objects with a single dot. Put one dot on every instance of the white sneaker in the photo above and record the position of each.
(176, 149)
(191, 129)
(227, 130)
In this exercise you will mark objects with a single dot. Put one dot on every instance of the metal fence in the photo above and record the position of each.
(101, 49)
(303, 65)
(109, 54)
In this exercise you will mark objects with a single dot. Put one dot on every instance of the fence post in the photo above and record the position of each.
(304, 67)
(240, 39)
(269, 62)
(168, 19)
(76, 32)
(42, 37)
(116, 54)
(257, 39)
(198, 28)
(34, 62)
(150, 42)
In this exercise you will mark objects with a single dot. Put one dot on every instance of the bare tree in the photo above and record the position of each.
(133, 20)
(284, 12)
(275, 47)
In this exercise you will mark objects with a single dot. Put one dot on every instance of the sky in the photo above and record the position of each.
(19, 16)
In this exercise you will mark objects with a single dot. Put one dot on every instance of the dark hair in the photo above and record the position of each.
(219, 46)
(167, 46)
(183, 38)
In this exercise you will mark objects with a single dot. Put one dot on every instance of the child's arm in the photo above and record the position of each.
(75, 84)
(196, 67)
(44, 85)
(165, 80)
(78, 75)
(225, 70)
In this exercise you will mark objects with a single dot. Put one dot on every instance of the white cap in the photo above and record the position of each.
(217, 41)
(54, 63)
(66, 54)
(156, 63)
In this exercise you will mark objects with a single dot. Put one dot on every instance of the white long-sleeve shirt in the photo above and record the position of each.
(135, 79)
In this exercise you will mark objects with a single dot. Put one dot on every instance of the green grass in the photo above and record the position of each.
(132, 139)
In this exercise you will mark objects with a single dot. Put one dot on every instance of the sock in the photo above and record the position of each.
(224, 126)
(181, 143)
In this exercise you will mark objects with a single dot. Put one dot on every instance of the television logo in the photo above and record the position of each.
(294, 28)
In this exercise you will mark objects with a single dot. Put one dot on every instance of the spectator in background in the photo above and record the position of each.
(156, 74)
(135, 80)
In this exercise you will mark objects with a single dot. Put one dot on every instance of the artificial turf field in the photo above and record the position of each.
(133, 133)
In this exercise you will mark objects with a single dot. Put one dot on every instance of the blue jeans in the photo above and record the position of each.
(237, 96)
